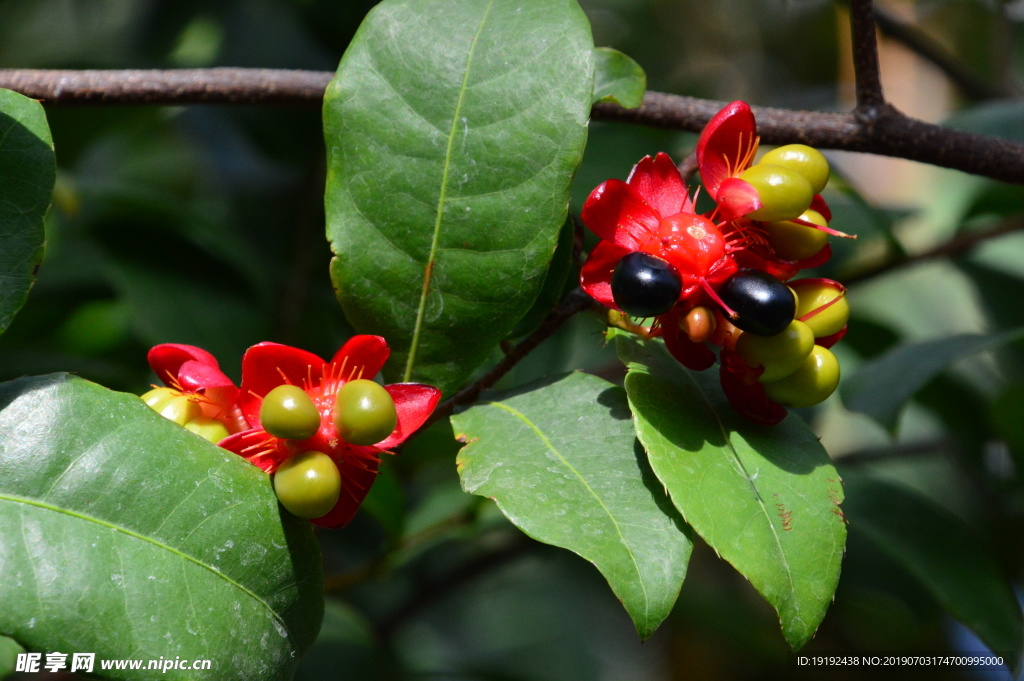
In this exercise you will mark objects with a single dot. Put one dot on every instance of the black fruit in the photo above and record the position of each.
(764, 305)
(644, 285)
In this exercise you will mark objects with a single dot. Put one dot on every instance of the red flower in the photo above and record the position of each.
(268, 365)
(726, 148)
(652, 212)
(195, 373)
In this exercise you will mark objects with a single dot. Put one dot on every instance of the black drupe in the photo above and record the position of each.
(644, 285)
(764, 305)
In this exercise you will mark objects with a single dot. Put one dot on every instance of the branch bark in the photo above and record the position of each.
(917, 41)
(865, 59)
(889, 133)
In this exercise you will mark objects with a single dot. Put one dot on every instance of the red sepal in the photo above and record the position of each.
(414, 403)
(816, 260)
(736, 198)
(659, 183)
(745, 392)
(186, 367)
(696, 356)
(616, 213)
(828, 341)
(724, 148)
(596, 273)
(818, 204)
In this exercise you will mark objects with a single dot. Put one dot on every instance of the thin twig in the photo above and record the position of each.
(954, 247)
(576, 301)
(865, 59)
(889, 133)
(917, 41)
(688, 167)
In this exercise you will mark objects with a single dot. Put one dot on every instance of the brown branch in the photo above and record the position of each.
(179, 86)
(865, 59)
(890, 133)
(917, 41)
(576, 301)
(688, 166)
(952, 248)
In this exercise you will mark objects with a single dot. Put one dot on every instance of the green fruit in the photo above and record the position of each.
(208, 429)
(179, 409)
(785, 193)
(781, 354)
(792, 241)
(288, 412)
(805, 160)
(812, 383)
(158, 395)
(814, 295)
(308, 484)
(364, 413)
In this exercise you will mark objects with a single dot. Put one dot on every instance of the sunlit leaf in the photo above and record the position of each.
(453, 130)
(617, 78)
(123, 534)
(561, 461)
(942, 552)
(883, 385)
(27, 174)
(765, 498)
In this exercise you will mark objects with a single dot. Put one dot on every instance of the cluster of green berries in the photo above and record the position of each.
(186, 410)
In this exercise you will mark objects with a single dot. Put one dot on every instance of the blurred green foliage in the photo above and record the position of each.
(204, 225)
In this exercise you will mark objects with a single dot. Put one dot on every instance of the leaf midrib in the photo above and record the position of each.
(618, 529)
(131, 533)
(739, 462)
(428, 269)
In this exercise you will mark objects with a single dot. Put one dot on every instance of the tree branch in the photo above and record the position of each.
(889, 134)
(917, 41)
(952, 248)
(575, 302)
(865, 59)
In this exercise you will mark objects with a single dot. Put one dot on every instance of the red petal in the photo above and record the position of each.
(745, 395)
(724, 144)
(659, 183)
(414, 404)
(736, 198)
(596, 273)
(356, 480)
(782, 270)
(616, 213)
(819, 258)
(366, 352)
(166, 359)
(268, 365)
(818, 204)
(828, 341)
(194, 376)
(696, 356)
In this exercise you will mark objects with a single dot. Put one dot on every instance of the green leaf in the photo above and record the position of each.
(617, 78)
(123, 534)
(942, 552)
(561, 461)
(882, 386)
(765, 498)
(9, 650)
(453, 130)
(28, 171)
(556, 283)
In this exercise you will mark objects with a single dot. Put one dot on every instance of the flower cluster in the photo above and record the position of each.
(290, 416)
(717, 279)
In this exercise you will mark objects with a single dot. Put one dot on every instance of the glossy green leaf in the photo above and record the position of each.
(560, 459)
(618, 79)
(123, 534)
(882, 386)
(556, 283)
(453, 130)
(765, 498)
(9, 650)
(27, 174)
(942, 552)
